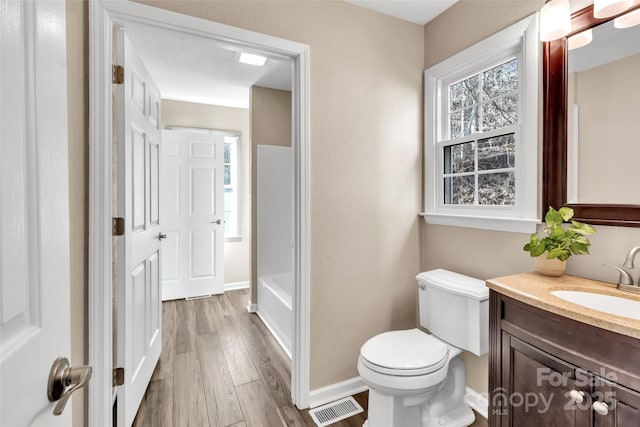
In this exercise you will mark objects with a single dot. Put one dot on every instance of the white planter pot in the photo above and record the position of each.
(550, 267)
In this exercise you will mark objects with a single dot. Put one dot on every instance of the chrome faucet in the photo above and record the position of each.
(625, 282)
(625, 278)
(628, 263)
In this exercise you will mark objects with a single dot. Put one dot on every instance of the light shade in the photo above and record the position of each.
(251, 59)
(628, 20)
(555, 20)
(580, 39)
(607, 8)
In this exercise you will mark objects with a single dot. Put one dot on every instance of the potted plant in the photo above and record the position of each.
(558, 244)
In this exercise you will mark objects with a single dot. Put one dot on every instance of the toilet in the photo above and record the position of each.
(418, 379)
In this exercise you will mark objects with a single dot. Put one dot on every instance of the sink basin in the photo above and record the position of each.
(605, 303)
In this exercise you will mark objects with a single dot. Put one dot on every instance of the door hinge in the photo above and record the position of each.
(118, 75)
(117, 227)
(118, 377)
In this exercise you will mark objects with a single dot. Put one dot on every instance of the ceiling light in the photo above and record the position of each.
(580, 39)
(629, 20)
(607, 8)
(251, 59)
(555, 20)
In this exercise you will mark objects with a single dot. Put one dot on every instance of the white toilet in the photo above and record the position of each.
(416, 379)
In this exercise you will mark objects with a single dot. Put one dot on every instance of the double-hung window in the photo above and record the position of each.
(481, 141)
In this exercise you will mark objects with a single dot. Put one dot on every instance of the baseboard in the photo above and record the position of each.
(236, 285)
(336, 391)
(252, 308)
(478, 402)
(276, 333)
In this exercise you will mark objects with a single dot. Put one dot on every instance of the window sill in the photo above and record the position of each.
(514, 225)
(233, 239)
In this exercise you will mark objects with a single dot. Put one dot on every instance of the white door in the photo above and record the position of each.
(138, 252)
(34, 209)
(192, 212)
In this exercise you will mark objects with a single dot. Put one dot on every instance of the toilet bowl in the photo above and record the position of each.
(417, 379)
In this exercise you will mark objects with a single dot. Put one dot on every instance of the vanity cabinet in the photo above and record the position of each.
(549, 370)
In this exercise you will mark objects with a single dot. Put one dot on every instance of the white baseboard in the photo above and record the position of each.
(236, 285)
(478, 402)
(252, 308)
(336, 391)
(276, 333)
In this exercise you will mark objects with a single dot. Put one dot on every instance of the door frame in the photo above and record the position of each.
(103, 15)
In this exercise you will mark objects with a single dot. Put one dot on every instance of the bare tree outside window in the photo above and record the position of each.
(481, 171)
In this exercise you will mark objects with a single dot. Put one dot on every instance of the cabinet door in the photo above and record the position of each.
(622, 405)
(539, 389)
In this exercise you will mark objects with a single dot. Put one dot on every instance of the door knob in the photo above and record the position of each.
(600, 408)
(162, 236)
(63, 375)
(218, 221)
(577, 396)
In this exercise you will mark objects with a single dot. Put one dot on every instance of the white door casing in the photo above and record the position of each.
(34, 209)
(192, 210)
(138, 251)
(103, 14)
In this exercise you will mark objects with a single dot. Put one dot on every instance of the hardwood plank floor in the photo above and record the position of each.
(220, 367)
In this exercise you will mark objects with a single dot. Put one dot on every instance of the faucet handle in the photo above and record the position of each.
(625, 277)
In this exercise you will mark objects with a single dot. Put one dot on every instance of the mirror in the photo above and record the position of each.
(591, 155)
(603, 117)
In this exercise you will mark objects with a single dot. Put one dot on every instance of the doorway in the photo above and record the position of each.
(103, 16)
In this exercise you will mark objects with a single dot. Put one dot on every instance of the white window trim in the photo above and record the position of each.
(236, 183)
(524, 215)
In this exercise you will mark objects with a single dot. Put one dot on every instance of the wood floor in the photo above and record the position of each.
(221, 367)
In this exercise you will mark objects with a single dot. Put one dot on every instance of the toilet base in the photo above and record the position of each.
(440, 406)
(462, 417)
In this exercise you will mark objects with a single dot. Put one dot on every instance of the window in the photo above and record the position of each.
(481, 142)
(232, 212)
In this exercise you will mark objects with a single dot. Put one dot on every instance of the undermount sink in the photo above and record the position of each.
(605, 303)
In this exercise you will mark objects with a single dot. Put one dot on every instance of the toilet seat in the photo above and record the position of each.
(404, 353)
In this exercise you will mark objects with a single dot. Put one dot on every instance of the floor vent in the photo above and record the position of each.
(335, 411)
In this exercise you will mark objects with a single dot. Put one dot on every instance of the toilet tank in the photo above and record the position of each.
(455, 308)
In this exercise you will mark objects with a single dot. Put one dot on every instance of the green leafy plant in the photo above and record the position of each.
(559, 242)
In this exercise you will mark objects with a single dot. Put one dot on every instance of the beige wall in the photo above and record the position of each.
(486, 254)
(607, 117)
(365, 167)
(270, 125)
(237, 255)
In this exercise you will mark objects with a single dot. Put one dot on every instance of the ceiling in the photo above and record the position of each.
(416, 11)
(196, 69)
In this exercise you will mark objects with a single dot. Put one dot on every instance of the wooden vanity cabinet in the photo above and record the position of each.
(542, 364)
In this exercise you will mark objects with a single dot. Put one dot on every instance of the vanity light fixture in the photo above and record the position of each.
(555, 20)
(251, 59)
(607, 8)
(628, 20)
(580, 39)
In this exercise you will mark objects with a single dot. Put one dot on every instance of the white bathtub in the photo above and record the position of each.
(275, 309)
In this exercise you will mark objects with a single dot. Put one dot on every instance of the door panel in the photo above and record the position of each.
(192, 201)
(34, 210)
(203, 185)
(138, 252)
(540, 384)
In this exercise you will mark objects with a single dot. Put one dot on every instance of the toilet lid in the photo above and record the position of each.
(411, 352)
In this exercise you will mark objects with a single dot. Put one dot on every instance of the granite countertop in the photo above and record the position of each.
(535, 289)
